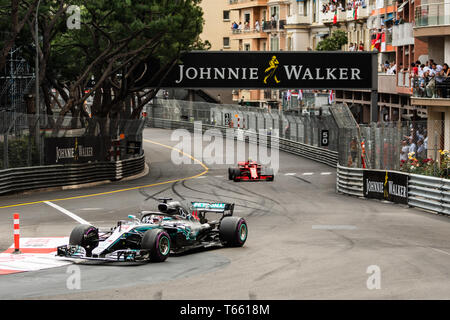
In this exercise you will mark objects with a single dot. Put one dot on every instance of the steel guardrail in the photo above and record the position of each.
(22, 179)
(424, 192)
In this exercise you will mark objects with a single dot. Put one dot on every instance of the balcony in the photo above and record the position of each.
(386, 83)
(274, 26)
(328, 17)
(248, 34)
(402, 35)
(244, 4)
(432, 19)
(299, 19)
(438, 95)
(361, 13)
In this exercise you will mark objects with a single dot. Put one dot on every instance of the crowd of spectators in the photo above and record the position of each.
(415, 145)
(430, 79)
(238, 28)
(342, 6)
(356, 47)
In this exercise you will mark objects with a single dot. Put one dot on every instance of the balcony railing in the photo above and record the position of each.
(276, 25)
(435, 88)
(433, 14)
(247, 31)
(249, 2)
(402, 35)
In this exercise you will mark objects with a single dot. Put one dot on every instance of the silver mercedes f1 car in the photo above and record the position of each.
(174, 228)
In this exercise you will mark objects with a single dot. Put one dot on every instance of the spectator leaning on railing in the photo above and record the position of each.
(431, 79)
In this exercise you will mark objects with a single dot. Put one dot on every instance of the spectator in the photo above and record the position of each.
(431, 86)
(361, 46)
(421, 151)
(257, 27)
(412, 146)
(404, 151)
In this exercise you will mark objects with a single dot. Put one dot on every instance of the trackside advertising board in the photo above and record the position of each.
(67, 150)
(385, 185)
(270, 69)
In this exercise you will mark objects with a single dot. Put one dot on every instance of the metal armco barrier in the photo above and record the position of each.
(424, 192)
(322, 155)
(21, 179)
(427, 193)
(350, 181)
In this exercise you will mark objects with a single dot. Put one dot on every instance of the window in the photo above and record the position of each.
(274, 44)
(275, 12)
(247, 47)
(226, 15)
(302, 8)
(226, 42)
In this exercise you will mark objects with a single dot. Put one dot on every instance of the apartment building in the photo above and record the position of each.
(431, 31)
(261, 26)
(391, 24)
(218, 19)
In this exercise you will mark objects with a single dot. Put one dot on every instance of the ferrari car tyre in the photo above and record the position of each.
(157, 242)
(85, 236)
(230, 173)
(233, 231)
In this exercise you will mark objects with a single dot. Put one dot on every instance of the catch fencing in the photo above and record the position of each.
(23, 137)
(295, 126)
(322, 155)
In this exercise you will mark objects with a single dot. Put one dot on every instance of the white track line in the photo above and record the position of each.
(67, 212)
(326, 173)
(333, 227)
(308, 173)
(441, 251)
(290, 174)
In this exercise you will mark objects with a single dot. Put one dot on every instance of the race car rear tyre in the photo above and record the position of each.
(157, 242)
(233, 231)
(230, 173)
(85, 236)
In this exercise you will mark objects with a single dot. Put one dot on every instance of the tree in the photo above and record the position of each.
(118, 41)
(15, 14)
(334, 42)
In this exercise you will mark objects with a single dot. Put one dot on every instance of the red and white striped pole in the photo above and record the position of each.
(16, 234)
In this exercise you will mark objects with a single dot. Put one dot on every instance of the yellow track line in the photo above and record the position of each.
(127, 189)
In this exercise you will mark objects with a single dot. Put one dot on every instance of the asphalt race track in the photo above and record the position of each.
(305, 241)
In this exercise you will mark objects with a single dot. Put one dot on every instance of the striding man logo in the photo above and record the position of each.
(271, 70)
(386, 192)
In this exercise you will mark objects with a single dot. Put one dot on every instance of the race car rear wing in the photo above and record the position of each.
(226, 209)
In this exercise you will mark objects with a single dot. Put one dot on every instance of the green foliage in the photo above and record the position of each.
(334, 42)
(18, 152)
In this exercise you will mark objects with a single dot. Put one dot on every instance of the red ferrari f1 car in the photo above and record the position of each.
(250, 171)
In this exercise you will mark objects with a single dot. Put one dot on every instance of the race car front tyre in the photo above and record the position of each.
(85, 236)
(233, 231)
(157, 242)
